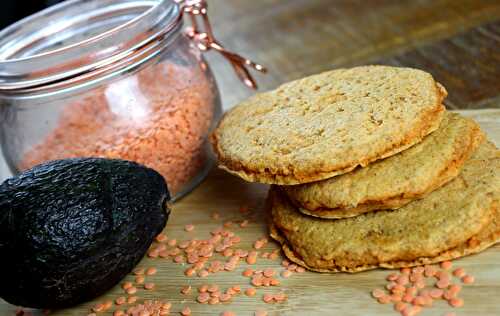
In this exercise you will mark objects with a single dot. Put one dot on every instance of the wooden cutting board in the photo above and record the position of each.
(308, 293)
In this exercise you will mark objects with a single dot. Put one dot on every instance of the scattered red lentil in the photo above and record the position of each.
(186, 311)
(203, 297)
(408, 298)
(300, 270)
(400, 306)
(98, 308)
(189, 272)
(275, 282)
(131, 290)
(151, 271)
(153, 254)
(132, 299)
(203, 288)
(385, 299)
(127, 285)
(149, 286)
(448, 295)
(378, 293)
(172, 242)
(256, 281)
(138, 271)
(260, 313)
(186, 290)
(236, 289)
(228, 252)
(267, 298)
(429, 271)
(446, 265)
(436, 293)
(456, 302)
(442, 284)
(410, 287)
(197, 254)
(120, 300)
(161, 237)
(212, 288)
(252, 257)
(189, 227)
(161, 247)
(459, 272)
(224, 297)
(468, 279)
(455, 288)
(392, 277)
(286, 273)
(139, 279)
(250, 291)
(215, 294)
(258, 244)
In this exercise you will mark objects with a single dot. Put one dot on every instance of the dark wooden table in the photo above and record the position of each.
(458, 41)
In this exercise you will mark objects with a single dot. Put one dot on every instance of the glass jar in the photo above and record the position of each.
(108, 78)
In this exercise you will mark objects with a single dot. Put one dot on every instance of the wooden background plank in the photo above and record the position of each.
(467, 63)
(295, 38)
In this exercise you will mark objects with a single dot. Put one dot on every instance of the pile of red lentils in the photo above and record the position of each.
(218, 253)
(410, 291)
(160, 117)
(413, 290)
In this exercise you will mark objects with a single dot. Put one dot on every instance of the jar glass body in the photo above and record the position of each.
(158, 113)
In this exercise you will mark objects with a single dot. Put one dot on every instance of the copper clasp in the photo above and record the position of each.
(200, 32)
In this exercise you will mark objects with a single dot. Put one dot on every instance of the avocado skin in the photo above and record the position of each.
(72, 229)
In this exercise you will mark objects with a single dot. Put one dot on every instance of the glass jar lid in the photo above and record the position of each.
(79, 40)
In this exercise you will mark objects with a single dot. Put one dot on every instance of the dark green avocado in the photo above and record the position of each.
(72, 229)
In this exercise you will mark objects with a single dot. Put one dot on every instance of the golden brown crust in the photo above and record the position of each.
(480, 242)
(393, 182)
(278, 137)
(452, 221)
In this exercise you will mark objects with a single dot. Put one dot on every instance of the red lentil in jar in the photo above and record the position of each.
(159, 117)
(130, 85)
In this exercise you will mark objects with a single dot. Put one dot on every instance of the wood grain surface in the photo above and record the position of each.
(308, 293)
(458, 41)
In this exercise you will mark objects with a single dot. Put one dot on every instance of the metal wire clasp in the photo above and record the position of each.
(205, 40)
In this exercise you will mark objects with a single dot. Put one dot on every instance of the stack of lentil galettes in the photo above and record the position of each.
(367, 169)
